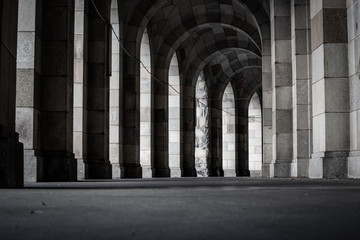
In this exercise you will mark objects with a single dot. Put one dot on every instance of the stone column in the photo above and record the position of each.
(28, 89)
(282, 87)
(242, 135)
(301, 37)
(202, 130)
(56, 160)
(353, 18)
(330, 89)
(161, 132)
(97, 164)
(175, 155)
(216, 137)
(188, 122)
(11, 151)
(267, 109)
(130, 167)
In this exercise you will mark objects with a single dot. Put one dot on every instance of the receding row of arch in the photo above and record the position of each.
(110, 99)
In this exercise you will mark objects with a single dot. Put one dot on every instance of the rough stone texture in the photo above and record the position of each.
(330, 108)
(202, 133)
(28, 84)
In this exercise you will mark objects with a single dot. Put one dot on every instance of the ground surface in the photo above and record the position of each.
(207, 208)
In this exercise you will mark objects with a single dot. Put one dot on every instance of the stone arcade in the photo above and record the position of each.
(76, 97)
(95, 92)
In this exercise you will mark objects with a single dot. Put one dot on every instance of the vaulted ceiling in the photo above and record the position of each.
(204, 33)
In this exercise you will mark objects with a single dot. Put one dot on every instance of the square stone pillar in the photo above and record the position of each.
(11, 151)
(267, 109)
(55, 157)
(330, 89)
(282, 88)
(353, 12)
(301, 83)
(161, 116)
(97, 165)
(188, 116)
(130, 167)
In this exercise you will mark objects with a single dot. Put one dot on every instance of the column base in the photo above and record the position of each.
(131, 171)
(116, 171)
(303, 167)
(147, 171)
(161, 172)
(11, 159)
(176, 172)
(282, 170)
(30, 166)
(255, 173)
(229, 173)
(80, 169)
(190, 172)
(243, 173)
(265, 170)
(98, 170)
(216, 172)
(328, 165)
(354, 164)
(56, 166)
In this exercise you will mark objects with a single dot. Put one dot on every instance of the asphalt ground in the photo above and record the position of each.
(183, 208)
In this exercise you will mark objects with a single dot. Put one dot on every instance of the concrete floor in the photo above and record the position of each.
(203, 208)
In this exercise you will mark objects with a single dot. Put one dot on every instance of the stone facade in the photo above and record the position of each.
(75, 86)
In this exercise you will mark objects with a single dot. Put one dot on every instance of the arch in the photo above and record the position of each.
(228, 132)
(201, 37)
(255, 136)
(175, 156)
(146, 115)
